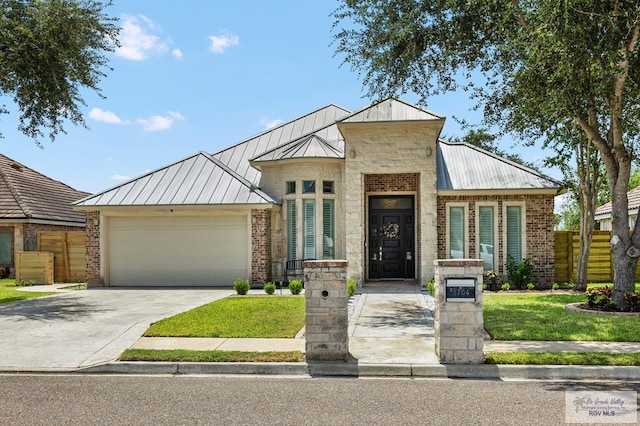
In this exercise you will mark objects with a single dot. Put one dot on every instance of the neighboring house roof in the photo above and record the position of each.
(28, 195)
(196, 180)
(604, 211)
(462, 166)
(232, 175)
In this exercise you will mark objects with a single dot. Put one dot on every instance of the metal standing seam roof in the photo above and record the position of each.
(26, 194)
(196, 180)
(391, 110)
(633, 196)
(312, 146)
(462, 166)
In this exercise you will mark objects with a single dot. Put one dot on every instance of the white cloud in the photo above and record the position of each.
(105, 116)
(177, 53)
(109, 158)
(120, 178)
(223, 41)
(157, 123)
(137, 39)
(270, 124)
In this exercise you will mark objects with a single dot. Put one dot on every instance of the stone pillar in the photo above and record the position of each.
(260, 246)
(459, 326)
(327, 320)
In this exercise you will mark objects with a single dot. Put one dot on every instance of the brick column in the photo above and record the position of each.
(93, 249)
(459, 326)
(260, 246)
(327, 320)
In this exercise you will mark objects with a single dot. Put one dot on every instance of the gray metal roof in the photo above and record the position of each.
(312, 146)
(462, 166)
(390, 110)
(320, 122)
(196, 180)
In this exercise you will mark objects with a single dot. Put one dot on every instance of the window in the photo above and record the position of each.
(514, 233)
(327, 187)
(5, 247)
(291, 229)
(486, 236)
(291, 187)
(328, 247)
(456, 233)
(308, 186)
(309, 229)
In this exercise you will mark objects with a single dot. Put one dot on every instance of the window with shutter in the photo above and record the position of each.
(291, 230)
(5, 247)
(328, 246)
(514, 232)
(486, 236)
(456, 233)
(309, 229)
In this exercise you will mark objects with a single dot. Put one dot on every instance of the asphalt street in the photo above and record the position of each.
(186, 400)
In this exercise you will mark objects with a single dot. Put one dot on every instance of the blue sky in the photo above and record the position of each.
(199, 76)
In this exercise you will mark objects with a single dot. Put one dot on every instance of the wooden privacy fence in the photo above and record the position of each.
(600, 267)
(33, 267)
(69, 252)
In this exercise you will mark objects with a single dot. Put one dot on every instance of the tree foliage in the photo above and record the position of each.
(547, 66)
(49, 51)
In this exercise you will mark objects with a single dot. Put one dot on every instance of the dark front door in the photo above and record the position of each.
(391, 237)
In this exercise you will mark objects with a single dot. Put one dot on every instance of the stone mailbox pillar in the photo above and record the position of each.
(327, 315)
(459, 326)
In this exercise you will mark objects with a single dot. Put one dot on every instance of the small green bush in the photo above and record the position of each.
(269, 288)
(555, 286)
(351, 287)
(241, 286)
(506, 286)
(531, 286)
(519, 272)
(431, 286)
(295, 286)
(601, 298)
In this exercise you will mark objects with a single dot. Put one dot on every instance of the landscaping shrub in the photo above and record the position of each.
(269, 288)
(555, 286)
(506, 286)
(241, 286)
(431, 286)
(531, 286)
(519, 273)
(600, 298)
(295, 286)
(351, 287)
(633, 300)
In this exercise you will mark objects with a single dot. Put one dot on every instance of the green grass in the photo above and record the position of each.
(8, 294)
(237, 317)
(543, 317)
(562, 358)
(180, 355)
(7, 282)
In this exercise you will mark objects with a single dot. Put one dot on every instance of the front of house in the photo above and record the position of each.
(375, 187)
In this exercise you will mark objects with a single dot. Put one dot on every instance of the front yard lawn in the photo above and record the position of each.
(543, 317)
(237, 317)
(10, 294)
(562, 358)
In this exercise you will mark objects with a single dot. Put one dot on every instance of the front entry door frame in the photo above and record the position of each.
(391, 237)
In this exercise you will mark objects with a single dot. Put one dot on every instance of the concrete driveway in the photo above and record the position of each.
(82, 328)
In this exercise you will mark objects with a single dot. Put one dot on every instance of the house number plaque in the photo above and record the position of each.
(460, 289)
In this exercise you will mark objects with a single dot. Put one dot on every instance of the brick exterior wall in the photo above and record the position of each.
(540, 237)
(31, 233)
(93, 250)
(393, 182)
(260, 246)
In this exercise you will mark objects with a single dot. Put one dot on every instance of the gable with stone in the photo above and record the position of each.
(376, 187)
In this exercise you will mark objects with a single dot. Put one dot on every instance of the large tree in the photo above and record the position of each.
(546, 65)
(49, 51)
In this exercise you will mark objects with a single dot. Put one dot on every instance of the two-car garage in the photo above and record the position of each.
(177, 251)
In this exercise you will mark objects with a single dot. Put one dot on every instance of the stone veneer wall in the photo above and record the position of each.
(392, 149)
(260, 246)
(540, 237)
(93, 249)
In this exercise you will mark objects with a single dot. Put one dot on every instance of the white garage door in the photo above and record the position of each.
(177, 251)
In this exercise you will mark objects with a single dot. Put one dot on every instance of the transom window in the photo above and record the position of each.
(291, 187)
(308, 186)
(327, 187)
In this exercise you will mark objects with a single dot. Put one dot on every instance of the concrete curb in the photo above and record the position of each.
(353, 369)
